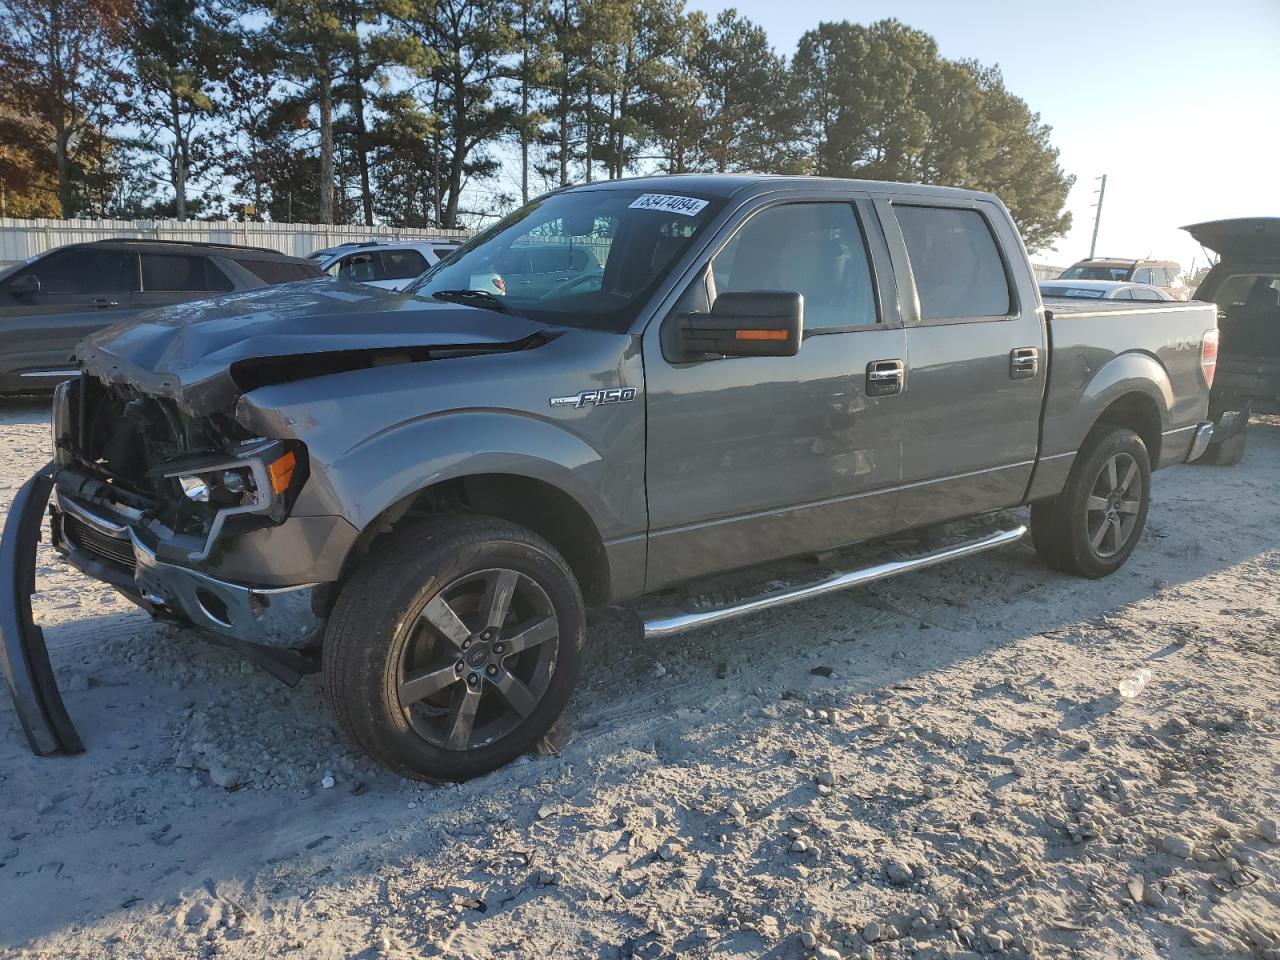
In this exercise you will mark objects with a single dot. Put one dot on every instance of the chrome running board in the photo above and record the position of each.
(665, 626)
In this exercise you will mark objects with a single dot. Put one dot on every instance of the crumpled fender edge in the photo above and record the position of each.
(23, 654)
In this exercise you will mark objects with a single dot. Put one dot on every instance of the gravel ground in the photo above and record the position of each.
(935, 766)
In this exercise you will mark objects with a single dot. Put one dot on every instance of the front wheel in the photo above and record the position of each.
(454, 647)
(1094, 524)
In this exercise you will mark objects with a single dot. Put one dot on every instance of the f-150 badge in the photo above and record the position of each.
(596, 398)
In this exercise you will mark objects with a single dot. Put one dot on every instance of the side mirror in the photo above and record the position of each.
(748, 323)
(27, 285)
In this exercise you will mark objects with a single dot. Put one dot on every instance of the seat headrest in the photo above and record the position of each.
(1263, 294)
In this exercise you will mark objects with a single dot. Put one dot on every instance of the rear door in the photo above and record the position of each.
(169, 278)
(976, 358)
(753, 458)
(81, 289)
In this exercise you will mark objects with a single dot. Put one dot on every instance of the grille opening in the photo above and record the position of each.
(118, 553)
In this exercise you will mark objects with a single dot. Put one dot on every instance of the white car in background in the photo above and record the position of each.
(1102, 290)
(383, 263)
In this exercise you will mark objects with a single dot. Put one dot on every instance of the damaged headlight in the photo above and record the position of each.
(259, 476)
(194, 488)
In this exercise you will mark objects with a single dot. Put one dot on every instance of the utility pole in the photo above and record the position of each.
(1097, 216)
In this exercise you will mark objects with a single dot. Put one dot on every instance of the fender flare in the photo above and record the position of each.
(1122, 376)
(23, 653)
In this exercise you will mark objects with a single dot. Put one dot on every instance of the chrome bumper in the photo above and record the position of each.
(1200, 442)
(269, 616)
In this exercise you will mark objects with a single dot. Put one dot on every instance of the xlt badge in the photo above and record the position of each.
(589, 398)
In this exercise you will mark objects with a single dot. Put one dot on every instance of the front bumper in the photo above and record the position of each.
(109, 550)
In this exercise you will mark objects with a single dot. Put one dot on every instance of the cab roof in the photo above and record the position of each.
(744, 185)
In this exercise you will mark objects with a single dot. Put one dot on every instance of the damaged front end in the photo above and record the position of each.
(143, 493)
(140, 495)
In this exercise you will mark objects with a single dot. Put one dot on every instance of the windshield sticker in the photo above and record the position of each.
(668, 203)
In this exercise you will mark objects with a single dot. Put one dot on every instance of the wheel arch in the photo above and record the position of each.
(1138, 412)
(1132, 390)
(531, 502)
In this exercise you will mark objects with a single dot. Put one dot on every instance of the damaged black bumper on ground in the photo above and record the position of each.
(265, 625)
(23, 654)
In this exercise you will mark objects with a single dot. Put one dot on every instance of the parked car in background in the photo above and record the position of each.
(1102, 290)
(381, 263)
(1245, 284)
(431, 485)
(55, 299)
(1164, 274)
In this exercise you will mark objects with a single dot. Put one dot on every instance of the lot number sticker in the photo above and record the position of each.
(668, 203)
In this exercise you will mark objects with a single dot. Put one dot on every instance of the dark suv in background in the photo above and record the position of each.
(52, 301)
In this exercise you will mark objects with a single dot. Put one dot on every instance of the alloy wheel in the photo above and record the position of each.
(478, 659)
(1113, 506)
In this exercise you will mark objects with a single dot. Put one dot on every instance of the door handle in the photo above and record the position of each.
(885, 377)
(102, 303)
(1024, 363)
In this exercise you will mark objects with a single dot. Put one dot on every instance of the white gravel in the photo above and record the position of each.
(936, 766)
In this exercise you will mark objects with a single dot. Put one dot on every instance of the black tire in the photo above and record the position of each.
(406, 615)
(1092, 526)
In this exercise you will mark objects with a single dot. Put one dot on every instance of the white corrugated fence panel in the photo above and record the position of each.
(20, 239)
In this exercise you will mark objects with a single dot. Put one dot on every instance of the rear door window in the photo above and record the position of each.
(181, 273)
(955, 261)
(401, 264)
(279, 271)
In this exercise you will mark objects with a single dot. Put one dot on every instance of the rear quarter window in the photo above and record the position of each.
(955, 261)
(279, 271)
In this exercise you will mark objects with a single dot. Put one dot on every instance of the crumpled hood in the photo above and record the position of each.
(187, 351)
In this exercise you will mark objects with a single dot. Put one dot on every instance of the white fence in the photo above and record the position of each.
(20, 239)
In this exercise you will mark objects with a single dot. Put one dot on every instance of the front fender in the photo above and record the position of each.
(410, 456)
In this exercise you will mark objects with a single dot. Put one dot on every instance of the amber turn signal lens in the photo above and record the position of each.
(760, 334)
(281, 472)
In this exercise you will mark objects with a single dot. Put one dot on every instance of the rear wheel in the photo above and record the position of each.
(1094, 524)
(454, 647)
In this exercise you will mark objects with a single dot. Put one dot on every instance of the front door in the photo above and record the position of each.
(755, 458)
(976, 359)
(48, 307)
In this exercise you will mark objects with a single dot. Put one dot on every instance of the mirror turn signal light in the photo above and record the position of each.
(760, 334)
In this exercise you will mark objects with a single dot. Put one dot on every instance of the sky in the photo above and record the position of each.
(1177, 102)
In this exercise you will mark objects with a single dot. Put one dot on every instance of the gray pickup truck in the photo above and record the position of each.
(428, 487)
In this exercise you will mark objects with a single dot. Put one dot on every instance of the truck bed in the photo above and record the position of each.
(1092, 342)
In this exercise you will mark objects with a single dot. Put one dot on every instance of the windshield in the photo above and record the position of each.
(1095, 272)
(586, 258)
(1242, 288)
